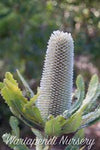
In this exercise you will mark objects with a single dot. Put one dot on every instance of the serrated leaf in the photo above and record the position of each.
(28, 89)
(11, 90)
(12, 94)
(17, 102)
(14, 125)
(79, 94)
(93, 101)
(9, 76)
(93, 88)
(92, 91)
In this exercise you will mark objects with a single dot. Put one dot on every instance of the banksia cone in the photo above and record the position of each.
(56, 82)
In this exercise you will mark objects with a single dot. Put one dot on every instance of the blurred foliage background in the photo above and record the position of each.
(25, 27)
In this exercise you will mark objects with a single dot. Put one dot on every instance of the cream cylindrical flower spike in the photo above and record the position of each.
(56, 83)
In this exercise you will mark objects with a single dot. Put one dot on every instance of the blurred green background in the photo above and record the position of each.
(25, 27)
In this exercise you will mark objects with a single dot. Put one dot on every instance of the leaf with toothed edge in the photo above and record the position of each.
(91, 94)
(18, 104)
(92, 104)
(93, 89)
(79, 94)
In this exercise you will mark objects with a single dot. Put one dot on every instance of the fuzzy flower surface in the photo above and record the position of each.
(57, 77)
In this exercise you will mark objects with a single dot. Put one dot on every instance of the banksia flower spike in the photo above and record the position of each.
(56, 82)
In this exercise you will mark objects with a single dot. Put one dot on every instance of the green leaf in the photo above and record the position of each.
(11, 90)
(12, 94)
(72, 123)
(14, 125)
(80, 88)
(9, 76)
(32, 113)
(33, 99)
(93, 102)
(93, 86)
(91, 118)
(93, 89)
(10, 140)
(18, 104)
(15, 132)
(91, 95)
(1, 85)
(37, 133)
(25, 117)
(79, 94)
(7, 138)
(53, 127)
(60, 125)
(28, 89)
(6, 94)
